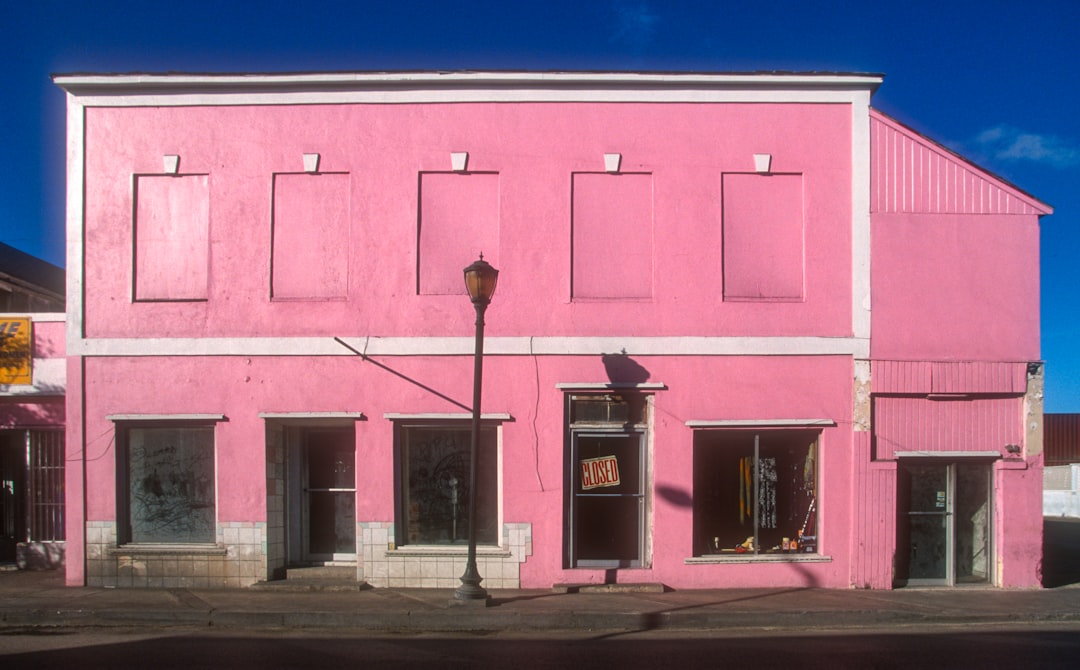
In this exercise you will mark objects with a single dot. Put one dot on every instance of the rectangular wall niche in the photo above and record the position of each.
(764, 248)
(612, 236)
(310, 254)
(172, 221)
(458, 220)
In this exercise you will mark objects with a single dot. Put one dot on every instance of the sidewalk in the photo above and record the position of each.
(41, 599)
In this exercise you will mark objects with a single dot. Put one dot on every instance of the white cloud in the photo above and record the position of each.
(1008, 143)
(635, 22)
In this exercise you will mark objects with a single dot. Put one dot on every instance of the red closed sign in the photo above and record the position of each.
(597, 472)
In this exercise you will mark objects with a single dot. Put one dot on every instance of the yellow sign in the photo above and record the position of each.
(16, 350)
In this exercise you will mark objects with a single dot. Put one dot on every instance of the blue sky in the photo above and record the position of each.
(996, 80)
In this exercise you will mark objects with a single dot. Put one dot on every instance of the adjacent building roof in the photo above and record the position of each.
(39, 282)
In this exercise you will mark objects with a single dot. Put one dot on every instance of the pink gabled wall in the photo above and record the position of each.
(954, 254)
(534, 149)
(955, 287)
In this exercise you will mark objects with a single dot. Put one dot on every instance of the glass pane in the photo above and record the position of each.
(929, 488)
(604, 460)
(729, 485)
(972, 521)
(331, 459)
(928, 547)
(436, 482)
(171, 484)
(607, 501)
(607, 528)
(333, 522)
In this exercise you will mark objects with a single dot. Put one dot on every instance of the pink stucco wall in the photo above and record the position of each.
(535, 149)
(532, 447)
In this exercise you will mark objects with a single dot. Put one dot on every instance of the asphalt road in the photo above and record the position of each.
(1048, 646)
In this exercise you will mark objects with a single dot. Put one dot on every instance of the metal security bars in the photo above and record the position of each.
(46, 468)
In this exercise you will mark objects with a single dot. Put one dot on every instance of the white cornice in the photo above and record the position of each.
(403, 87)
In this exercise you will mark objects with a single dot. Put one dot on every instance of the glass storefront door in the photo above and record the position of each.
(943, 530)
(323, 503)
(608, 500)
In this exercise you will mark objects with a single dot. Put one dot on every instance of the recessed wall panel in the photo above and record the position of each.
(459, 220)
(172, 216)
(612, 236)
(764, 250)
(310, 256)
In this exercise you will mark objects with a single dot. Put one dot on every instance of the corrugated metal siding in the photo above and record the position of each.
(948, 377)
(921, 424)
(874, 531)
(1061, 439)
(912, 174)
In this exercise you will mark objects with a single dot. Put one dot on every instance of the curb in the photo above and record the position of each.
(446, 622)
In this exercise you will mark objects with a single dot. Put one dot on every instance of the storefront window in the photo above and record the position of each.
(755, 492)
(167, 484)
(433, 484)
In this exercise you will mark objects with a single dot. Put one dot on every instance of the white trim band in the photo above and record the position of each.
(610, 386)
(446, 416)
(947, 454)
(464, 346)
(761, 423)
(165, 417)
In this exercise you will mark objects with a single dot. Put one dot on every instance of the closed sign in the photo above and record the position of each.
(597, 472)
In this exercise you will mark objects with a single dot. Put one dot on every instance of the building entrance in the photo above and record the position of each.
(944, 529)
(322, 496)
(606, 480)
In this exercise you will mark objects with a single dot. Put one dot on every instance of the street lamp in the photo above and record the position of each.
(480, 280)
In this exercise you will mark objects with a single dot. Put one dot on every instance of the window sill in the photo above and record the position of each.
(168, 550)
(759, 558)
(449, 550)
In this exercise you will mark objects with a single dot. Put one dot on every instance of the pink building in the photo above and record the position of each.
(32, 380)
(748, 332)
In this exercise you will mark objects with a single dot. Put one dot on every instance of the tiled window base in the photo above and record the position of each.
(419, 566)
(237, 560)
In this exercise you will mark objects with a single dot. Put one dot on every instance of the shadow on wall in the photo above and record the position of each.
(621, 369)
(1061, 552)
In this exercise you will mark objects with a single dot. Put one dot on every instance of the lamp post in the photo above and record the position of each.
(480, 280)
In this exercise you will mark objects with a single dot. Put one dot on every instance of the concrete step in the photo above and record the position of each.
(322, 572)
(315, 578)
(310, 586)
(649, 587)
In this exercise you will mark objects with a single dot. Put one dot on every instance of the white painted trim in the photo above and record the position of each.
(398, 87)
(462, 346)
(359, 416)
(861, 299)
(76, 156)
(760, 423)
(446, 416)
(479, 95)
(427, 78)
(947, 454)
(609, 386)
(36, 317)
(164, 417)
(449, 87)
(48, 377)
